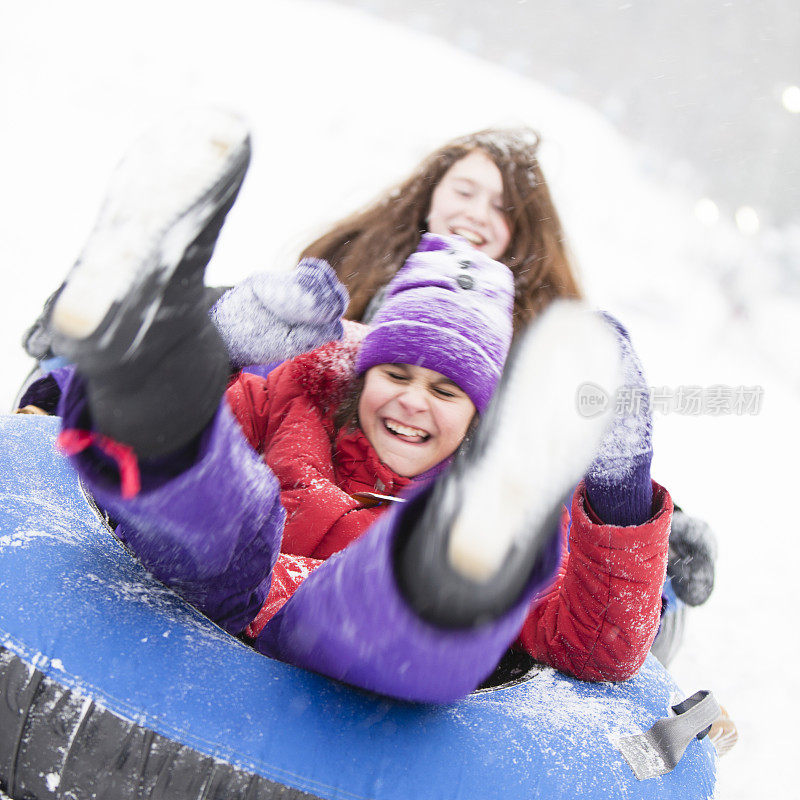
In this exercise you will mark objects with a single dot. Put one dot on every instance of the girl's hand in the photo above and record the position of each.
(274, 316)
(692, 553)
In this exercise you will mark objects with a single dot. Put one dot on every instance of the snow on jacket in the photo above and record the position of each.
(601, 615)
(596, 622)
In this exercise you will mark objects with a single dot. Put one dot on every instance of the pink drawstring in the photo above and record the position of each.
(73, 441)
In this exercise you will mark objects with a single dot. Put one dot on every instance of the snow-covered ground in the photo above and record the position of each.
(341, 105)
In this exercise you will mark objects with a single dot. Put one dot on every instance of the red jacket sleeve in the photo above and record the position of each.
(598, 620)
(287, 575)
(285, 426)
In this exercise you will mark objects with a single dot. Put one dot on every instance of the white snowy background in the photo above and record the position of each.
(340, 106)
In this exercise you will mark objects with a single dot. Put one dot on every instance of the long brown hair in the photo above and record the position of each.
(367, 248)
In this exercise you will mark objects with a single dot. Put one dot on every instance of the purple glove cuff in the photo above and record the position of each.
(618, 483)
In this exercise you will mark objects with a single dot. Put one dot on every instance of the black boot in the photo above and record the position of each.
(133, 313)
(487, 532)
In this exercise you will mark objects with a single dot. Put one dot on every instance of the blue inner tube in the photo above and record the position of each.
(113, 687)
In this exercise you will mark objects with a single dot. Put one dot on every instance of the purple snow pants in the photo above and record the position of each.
(209, 522)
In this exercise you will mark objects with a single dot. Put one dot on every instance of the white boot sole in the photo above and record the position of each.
(158, 200)
(541, 445)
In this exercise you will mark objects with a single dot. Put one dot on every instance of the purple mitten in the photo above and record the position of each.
(618, 482)
(274, 316)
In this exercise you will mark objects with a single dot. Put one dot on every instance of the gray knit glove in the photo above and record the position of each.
(692, 553)
(274, 316)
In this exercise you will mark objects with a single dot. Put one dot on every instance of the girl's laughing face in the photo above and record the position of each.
(468, 202)
(414, 417)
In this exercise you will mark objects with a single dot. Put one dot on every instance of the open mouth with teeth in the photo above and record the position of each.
(406, 433)
(474, 238)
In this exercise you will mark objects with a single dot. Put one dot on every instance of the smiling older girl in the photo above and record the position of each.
(487, 187)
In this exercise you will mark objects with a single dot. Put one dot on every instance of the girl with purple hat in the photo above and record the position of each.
(419, 599)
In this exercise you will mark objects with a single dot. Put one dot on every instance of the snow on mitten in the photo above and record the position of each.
(692, 553)
(618, 482)
(274, 316)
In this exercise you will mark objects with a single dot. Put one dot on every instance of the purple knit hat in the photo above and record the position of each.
(448, 309)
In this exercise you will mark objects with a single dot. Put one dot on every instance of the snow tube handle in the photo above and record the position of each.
(659, 749)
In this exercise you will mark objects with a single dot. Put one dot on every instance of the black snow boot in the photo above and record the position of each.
(133, 312)
(486, 533)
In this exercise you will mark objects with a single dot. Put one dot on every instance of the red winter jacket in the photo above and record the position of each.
(288, 418)
(596, 622)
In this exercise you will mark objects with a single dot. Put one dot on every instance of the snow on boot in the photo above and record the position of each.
(132, 314)
(173, 182)
(36, 340)
(489, 527)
